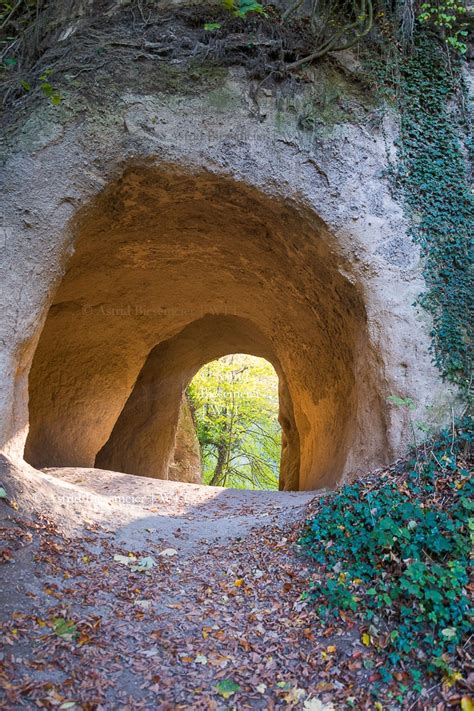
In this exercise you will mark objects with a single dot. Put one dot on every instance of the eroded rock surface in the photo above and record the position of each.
(160, 206)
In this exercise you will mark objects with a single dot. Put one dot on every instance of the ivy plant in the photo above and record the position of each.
(430, 175)
(447, 17)
(396, 554)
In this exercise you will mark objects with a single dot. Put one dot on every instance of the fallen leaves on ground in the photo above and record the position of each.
(96, 627)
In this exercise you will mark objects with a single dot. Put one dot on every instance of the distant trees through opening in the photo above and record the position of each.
(234, 401)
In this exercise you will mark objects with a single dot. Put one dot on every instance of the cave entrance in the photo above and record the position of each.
(231, 413)
(149, 435)
(172, 270)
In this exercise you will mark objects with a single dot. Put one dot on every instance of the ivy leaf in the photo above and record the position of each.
(401, 401)
(449, 633)
(47, 88)
(227, 687)
(64, 628)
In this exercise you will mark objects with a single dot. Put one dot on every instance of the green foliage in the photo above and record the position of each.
(45, 86)
(397, 555)
(235, 405)
(431, 177)
(447, 16)
(241, 8)
(227, 687)
(401, 401)
(65, 628)
(48, 89)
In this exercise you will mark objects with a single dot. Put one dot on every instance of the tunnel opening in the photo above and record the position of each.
(172, 270)
(234, 410)
(153, 434)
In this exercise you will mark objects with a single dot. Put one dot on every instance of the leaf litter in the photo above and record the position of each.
(230, 629)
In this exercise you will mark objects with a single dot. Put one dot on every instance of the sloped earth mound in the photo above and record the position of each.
(122, 592)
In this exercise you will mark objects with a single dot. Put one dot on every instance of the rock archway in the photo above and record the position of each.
(172, 269)
(143, 439)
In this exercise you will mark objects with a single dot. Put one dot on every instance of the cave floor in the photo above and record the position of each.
(213, 618)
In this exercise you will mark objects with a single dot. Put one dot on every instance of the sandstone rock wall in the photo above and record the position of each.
(128, 220)
(186, 465)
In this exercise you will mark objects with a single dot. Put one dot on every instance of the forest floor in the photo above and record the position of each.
(186, 597)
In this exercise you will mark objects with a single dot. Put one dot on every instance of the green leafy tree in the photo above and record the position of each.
(235, 405)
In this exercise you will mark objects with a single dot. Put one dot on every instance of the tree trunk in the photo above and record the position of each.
(221, 460)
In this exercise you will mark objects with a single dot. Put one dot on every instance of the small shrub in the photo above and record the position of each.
(395, 552)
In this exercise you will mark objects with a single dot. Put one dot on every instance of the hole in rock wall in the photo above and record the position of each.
(171, 271)
(230, 411)
(155, 434)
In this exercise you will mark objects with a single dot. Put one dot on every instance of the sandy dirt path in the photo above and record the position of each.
(132, 593)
